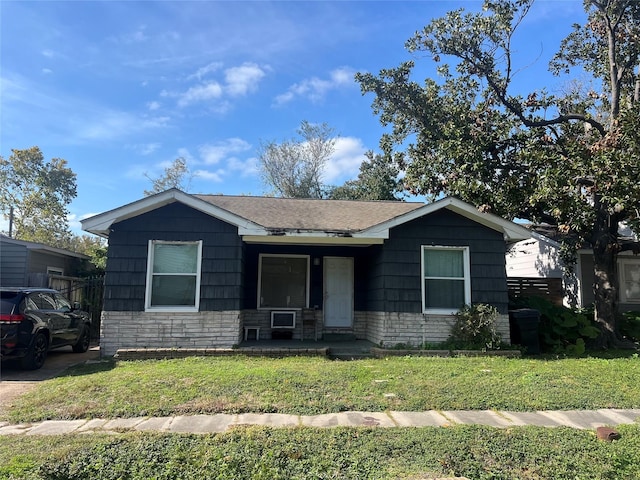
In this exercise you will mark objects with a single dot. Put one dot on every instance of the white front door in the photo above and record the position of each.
(338, 292)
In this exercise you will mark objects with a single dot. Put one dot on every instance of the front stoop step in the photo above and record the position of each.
(338, 337)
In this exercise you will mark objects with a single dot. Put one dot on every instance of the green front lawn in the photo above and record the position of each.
(304, 385)
(476, 452)
(313, 385)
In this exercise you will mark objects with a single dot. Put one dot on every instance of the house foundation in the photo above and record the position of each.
(227, 329)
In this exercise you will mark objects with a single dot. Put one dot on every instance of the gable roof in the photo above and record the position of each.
(287, 220)
(346, 216)
(41, 247)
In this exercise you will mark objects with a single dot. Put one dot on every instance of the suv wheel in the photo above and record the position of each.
(82, 345)
(35, 357)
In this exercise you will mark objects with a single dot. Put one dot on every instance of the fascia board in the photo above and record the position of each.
(512, 231)
(544, 239)
(311, 240)
(101, 224)
(41, 247)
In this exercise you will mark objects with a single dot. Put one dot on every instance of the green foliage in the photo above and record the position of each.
(569, 160)
(377, 180)
(562, 330)
(470, 451)
(39, 193)
(630, 325)
(293, 168)
(93, 246)
(309, 386)
(475, 328)
(177, 175)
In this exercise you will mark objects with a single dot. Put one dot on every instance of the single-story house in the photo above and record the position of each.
(31, 264)
(198, 271)
(539, 257)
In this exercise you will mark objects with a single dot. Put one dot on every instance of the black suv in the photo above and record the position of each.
(35, 320)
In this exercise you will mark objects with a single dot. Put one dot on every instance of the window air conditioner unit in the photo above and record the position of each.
(283, 319)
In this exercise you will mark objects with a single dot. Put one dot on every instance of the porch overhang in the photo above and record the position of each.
(312, 239)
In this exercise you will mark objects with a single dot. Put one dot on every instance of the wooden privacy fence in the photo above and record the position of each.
(548, 288)
(88, 291)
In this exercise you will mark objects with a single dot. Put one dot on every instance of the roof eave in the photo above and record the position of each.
(512, 232)
(101, 224)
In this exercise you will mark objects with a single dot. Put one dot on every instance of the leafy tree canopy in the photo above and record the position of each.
(377, 180)
(177, 175)
(569, 159)
(294, 167)
(37, 194)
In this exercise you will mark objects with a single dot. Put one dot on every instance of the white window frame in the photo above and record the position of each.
(622, 262)
(172, 308)
(308, 282)
(466, 278)
(293, 314)
(55, 271)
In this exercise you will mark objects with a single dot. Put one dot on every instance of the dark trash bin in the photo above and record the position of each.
(523, 326)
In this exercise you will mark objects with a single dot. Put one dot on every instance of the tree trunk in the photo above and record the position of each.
(605, 291)
(605, 288)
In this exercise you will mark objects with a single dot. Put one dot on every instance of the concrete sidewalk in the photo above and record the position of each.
(581, 419)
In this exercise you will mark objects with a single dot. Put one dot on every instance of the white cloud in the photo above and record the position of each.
(212, 67)
(237, 81)
(67, 118)
(212, 154)
(200, 93)
(153, 105)
(47, 71)
(243, 79)
(345, 162)
(209, 176)
(147, 149)
(246, 168)
(315, 89)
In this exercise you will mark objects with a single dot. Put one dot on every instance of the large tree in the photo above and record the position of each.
(34, 196)
(293, 168)
(569, 159)
(177, 175)
(377, 180)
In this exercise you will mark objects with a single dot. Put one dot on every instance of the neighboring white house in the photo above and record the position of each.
(539, 257)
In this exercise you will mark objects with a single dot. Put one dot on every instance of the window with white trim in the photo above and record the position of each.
(283, 281)
(629, 280)
(55, 271)
(173, 276)
(446, 279)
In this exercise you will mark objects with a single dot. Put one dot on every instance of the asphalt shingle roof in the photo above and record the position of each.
(310, 214)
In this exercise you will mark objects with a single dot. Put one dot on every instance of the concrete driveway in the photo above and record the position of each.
(14, 381)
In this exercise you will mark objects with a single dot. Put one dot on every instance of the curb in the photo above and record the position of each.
(218, 423)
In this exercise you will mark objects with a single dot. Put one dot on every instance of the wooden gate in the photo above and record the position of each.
(89, 292)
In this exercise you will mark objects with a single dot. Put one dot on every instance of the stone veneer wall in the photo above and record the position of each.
(308, 321)
(168, 330)
(392, 328)
(136, 330)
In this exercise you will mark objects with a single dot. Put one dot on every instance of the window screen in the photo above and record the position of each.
(175, 274)
(283, 281)
(446, 281)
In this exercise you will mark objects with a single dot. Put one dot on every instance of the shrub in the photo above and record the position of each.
(562, 330)
(475, 328)
(630, 325)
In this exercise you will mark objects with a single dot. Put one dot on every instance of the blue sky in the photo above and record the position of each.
(120, 89)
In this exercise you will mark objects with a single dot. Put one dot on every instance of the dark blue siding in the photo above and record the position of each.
(395, 279)
(13, 264)
(222, 258)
